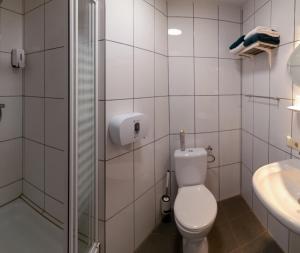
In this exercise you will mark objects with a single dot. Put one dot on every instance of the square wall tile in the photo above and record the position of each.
(56, 73)
(246, 186)
(56, 30)
(247, 114)
(34, 119)
(34, 30)
(161, 5)
(101, 130)
(206, 9)
(119, 184)
(115, 227)
(228, 33)
(159, 192)
(162, 159)
(56, 209)
(162, 123)
(119, 71)
(209, 139)
(276, 155)
(101, 69)
(283, 23)
(11, 79)
(177, 8)
(230, 76)
(181, 45)
(143, 73)
(230, 12)
(56, 123)
(11, 161)
(261, 119)
(143, 25)
(280, 79)
(263, 15)
(13, 5)
(11, 25)
(212, 182)
(206, 76)
(297, 20)
(294, 243)
(119, 21)
(261, 77)
(247, 150)
(248, 9)
(101, 190)
(161, 33)
(31, 4)
(259, 3)
(114, 108)
(143, 170)
(207, 47)
(247, 76)
(144, 217)
(34, 75)
(260, 154)
(230, 139)
(230, 181)
(33, 194)
(230, 112)
(260, 211)
(248, 25)
(161, 75)
(206, 114)
(146, 106)
(56, 174)
(279, 232)
(182, 114)
(181, 76)
(280, 124)
(34, 171)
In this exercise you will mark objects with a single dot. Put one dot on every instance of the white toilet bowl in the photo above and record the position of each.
(195, 211)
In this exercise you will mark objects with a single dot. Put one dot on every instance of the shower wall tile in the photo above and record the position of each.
(34, 32)
(178, 8)
(34, 75)
(13, 5)
(206, 9)
(56, 23)
(230, 77)
(271, 119)
(55, 209)
(11, 25)
(230, 112)
(11, 122)
(230, 181)
(11, 79)
(33, 194)
(31, 4)
(33, 170)
(34, 119)
(56, 73)
(161, 75)
(161, 29)
(11, 161)
(10, 192)
(230, 12)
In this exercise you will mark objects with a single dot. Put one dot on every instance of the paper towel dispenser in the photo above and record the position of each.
(128, 128)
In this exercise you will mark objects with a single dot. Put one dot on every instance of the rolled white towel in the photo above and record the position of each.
(237, 49)
(262, 29)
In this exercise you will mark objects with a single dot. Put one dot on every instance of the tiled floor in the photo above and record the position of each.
(236, 230)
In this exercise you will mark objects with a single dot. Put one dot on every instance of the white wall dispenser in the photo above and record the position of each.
(128, 128)
(18, 58)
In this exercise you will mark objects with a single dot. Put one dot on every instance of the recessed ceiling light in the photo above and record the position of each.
(174, 32)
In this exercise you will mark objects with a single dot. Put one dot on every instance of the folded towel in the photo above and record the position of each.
(262, 30)
(237, 49)
(237, 43)
(262, 38)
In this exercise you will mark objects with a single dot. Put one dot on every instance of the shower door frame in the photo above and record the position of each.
(73, 95)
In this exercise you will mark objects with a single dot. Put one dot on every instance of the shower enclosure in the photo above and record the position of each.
(48, 127)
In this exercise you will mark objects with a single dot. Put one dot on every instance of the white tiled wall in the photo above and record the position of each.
(11, 35)
(205, 87)
(45, 121)
(135, 79)
(266, 122)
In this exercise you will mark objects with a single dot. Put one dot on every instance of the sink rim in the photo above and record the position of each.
(287, 220)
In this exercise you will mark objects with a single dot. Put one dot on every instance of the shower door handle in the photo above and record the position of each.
(2, 106)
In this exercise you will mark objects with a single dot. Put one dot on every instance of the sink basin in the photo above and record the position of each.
(277, 185)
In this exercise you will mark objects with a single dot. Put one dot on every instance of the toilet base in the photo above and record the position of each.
(195, 246)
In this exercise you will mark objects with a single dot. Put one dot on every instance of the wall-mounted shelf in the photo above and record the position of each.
(257, 48)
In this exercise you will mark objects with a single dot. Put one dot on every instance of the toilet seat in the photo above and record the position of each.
(195, 208)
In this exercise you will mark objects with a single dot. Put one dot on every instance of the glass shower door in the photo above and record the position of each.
(84, 126)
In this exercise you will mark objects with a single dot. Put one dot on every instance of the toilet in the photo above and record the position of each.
(195, 208)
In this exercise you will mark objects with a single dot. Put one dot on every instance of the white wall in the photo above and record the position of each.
(11, 36)
(134, 47)
(265, 122)
(205, 88)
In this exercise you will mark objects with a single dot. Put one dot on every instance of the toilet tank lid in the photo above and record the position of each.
(190, 152)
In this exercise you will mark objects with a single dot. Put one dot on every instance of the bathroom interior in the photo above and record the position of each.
(149, 126)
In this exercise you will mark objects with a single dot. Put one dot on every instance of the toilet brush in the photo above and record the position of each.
(165, 202)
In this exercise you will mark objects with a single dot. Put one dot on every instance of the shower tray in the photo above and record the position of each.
(22, 229)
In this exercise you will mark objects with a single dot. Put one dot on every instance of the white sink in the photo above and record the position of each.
(277, 185)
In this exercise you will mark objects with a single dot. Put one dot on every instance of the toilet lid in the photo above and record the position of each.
(195, 207)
